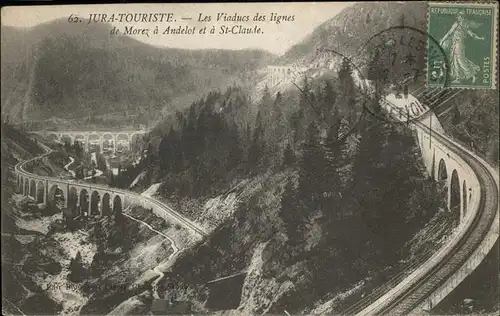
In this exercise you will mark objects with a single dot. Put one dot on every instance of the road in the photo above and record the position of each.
(71, 160)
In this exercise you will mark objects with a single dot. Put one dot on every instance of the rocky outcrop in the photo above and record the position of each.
(259, 292)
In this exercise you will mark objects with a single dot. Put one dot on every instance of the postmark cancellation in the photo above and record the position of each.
(468, 34)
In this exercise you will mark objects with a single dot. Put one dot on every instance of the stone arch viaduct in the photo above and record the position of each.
(112, 138)
(472, 191)
(91, 199)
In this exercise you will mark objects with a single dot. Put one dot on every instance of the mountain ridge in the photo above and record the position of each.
(61, 70)
(350, 26)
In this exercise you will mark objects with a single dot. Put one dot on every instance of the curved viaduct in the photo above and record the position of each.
(472, 196)
(91, 199)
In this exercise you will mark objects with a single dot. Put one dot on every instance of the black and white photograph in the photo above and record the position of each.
(272, 158)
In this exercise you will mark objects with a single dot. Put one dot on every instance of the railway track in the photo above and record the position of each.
(456, 257)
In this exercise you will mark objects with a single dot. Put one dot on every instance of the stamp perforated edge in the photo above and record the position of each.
(494, 5)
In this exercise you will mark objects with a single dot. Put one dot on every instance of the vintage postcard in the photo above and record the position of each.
(330, 158)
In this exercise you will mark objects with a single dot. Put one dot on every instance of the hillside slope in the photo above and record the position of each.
(72, 71)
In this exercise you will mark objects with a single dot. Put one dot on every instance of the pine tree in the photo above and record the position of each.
(332, 190)
(456, 116)
(77, 271)
(290, 213)
(311, 175)
(256, 150)
(99, 237)
(164, 154)
(235, 150)
(328, 97)
(150, 155)
(288, 156)
(111, 179)
(369, 172)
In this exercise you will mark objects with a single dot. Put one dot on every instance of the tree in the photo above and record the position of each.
(67, 146)
(328, 98)
(164, 152)
(256, 150)
(235, 150)
(77, 271)
(101, 162)
(456, 116)
(99, 237)
(150, 155)
(290, 214)
(111, 178)
(312, 165)
(68, 218)
(288, 156)
(332, 190)
(367, 168)
(378, 71)
(78, 149)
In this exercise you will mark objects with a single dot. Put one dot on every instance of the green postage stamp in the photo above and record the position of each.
(467, 33)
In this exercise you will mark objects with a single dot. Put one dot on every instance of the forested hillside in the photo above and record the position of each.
(319, 198)
(351, 28)
(72, 71)
(472, 118)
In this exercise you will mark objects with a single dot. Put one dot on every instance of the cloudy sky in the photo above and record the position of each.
(276, 38)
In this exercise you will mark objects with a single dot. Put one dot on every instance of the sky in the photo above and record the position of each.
(275, 37)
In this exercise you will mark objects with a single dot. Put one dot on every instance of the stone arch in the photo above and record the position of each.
(94, 142)
(455, 195)
(108, 142)
(81, 139)
(40, 192)
(56, 196)
(26, 186)
(442, 174)
(105, 204)
(117, 205)
(21, 185)
(84, 202)
(134, 136)
(95, 200)
(73, 199)
(32, 189)
(464, 198)
(122, 142)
